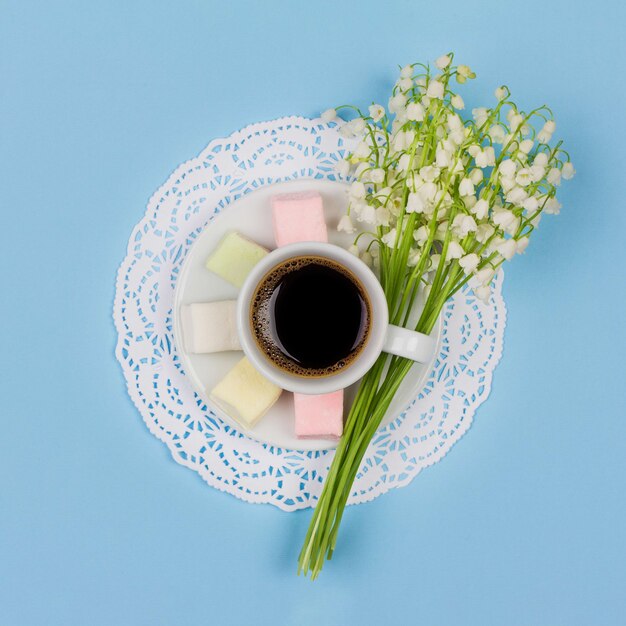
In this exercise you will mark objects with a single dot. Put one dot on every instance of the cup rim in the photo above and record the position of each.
(370, 352)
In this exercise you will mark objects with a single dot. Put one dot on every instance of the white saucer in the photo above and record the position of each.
(251, 216)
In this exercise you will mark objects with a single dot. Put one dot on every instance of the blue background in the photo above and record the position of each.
(522, 523)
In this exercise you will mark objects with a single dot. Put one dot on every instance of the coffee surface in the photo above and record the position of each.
(310, 316)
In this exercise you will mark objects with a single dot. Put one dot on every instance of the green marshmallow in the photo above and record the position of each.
(234, 257)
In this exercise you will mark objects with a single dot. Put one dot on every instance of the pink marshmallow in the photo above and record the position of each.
(319, 417)
(298, 217)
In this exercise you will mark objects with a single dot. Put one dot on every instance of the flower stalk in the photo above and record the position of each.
(445, 202)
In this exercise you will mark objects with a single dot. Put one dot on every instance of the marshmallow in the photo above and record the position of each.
(244, 394)
(298, 217)
(210, 327)
(319, 416)
(234, 257)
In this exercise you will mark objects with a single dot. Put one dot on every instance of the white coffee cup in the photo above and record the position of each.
(382, 336)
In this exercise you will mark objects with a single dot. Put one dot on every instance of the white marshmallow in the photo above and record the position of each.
(210, 327)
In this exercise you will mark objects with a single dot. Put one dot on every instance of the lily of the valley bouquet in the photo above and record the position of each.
(446, 200)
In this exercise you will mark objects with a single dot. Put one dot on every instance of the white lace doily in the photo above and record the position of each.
(258, 155)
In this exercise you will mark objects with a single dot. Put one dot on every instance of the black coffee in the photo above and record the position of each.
(310, 316)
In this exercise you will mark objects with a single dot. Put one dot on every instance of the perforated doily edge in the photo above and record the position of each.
(216, 483)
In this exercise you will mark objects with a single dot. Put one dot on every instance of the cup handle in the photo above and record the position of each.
(409, 344)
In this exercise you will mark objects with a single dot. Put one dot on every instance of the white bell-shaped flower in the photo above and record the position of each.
(404, 84)
(524, 177)
(435, 89)
(485, 275)
(497, 134)
(443, 61)
(429, 173)
(507, 168)
(466, 187)
(362, 151)
(367, 214)
(480, 115)
(376, 176)
(415, 112)
(428, 191)
(455, 250)
(521, 245)
(415, 203)
(483, 293)
(389, 239)
(435, 259)
(531, 204)
(480, 209)
(469, 201)
(552, 207)
(536, 172)
(507, 184)
(476, 175)
(457, 102)
(357, 190)
(469, 262)
(358, 125)
(397, 103)
(486, 157)
(345, 225)
(526, 146)
(517, 195)
(568, 171)
(484, 232)
(462, 225)
(377, 112)
(503, 218)
(443, 158)
(383, 216)
(421, 235)
(366, 257)
(343, 167)
(507, 249)
(554, 176)
(441, 230)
